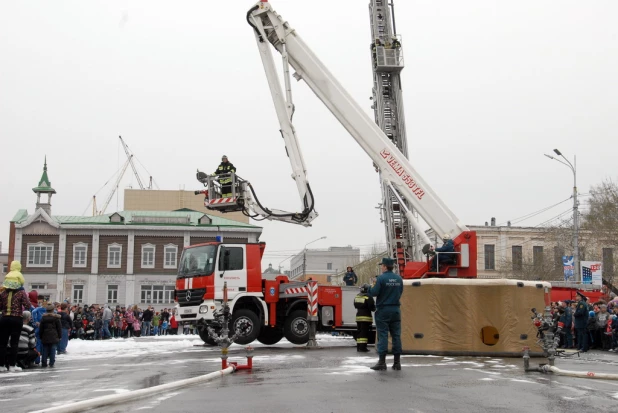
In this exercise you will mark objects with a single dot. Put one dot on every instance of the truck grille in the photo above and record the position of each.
(190, 297)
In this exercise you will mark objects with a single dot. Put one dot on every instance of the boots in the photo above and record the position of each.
(381, 365)
(362, 348)
(397, 363)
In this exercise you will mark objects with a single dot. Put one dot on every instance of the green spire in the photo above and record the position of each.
(44, 184)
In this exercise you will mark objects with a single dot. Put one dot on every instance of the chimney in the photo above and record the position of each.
(508, 224)
(493, 221)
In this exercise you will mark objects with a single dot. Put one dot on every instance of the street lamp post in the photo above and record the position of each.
(573, 167)
(305, 256)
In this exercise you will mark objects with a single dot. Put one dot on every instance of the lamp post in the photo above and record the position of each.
(305, 256)
(279, 266)
(573, 167)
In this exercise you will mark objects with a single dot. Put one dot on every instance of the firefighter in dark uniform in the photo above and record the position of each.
(225, 167)
(364, 305)
(581, 321)
(388, 289)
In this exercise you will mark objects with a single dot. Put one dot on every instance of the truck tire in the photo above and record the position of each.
(251, 323)
(270, 335)
(205, 337)
(296, 327)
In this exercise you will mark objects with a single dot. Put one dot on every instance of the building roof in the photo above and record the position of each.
(44, 184)
(162, 218)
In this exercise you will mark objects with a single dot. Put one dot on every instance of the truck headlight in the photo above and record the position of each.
(203, 309)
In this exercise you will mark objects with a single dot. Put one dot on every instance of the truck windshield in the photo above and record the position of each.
(197, 261)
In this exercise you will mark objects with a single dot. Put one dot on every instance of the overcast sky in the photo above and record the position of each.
(488, 88)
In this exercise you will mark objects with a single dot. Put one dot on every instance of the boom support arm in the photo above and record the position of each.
(395, 169)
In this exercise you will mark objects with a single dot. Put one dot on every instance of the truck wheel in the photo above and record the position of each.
(205, 337)
(296, 327)
(248, 322)
(270, 335)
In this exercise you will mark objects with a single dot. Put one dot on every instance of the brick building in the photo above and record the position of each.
(125, 258)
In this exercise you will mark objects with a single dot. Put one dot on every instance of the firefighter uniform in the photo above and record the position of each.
(364, 305)
(225, 167)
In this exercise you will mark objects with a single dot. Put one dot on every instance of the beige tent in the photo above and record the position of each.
(470, 317)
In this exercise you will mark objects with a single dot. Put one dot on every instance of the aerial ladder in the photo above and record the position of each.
(396, 173)
(387, 62)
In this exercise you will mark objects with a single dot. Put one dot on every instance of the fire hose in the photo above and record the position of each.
(583, 374)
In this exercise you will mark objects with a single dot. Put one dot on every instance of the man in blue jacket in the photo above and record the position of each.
(581, 321)
(388, 289)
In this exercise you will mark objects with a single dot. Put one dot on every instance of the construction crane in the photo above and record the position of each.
(387, 62)
(130, 157)
(113, 191)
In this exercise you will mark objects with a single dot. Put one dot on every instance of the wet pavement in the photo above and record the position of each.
(287, 378)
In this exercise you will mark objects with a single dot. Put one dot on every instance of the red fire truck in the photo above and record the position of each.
(266, 310)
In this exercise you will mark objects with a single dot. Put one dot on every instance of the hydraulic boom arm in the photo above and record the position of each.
(395, 169)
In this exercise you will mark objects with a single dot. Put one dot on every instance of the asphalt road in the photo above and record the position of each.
(287, 378)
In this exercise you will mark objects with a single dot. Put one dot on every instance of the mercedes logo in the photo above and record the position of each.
(188, 296)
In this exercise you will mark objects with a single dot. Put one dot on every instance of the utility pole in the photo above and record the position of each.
(573, 167)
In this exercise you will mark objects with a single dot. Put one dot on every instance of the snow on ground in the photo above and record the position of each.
(129, 347)
(139, 346)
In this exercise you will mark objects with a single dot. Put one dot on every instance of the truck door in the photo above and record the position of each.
(231, 268)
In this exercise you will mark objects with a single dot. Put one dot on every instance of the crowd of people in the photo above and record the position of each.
(35, 331)
(586, 325)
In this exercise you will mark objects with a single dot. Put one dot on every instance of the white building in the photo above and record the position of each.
(122, 258)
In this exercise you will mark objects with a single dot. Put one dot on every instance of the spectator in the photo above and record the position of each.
(98, 326)
(51, 332)
(147, 321)
(350, 278)
(37, 313)
(164, 326)
(65, 321)
(567, 318)
(155, 323)
(173, 325)
(591, 328)
(13, 300)
(107, 319)
(33, 296)
(602, 318)
(26, 352)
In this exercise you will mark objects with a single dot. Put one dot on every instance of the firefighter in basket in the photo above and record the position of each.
(364, 305)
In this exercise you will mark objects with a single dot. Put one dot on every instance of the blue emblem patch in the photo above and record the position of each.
(272, 291)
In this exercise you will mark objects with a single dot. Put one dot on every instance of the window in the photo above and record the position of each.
(329, 265)
(517, 257)
(148, 254)
(114, 255)
(231, 259)
(157, 294)
(112, 294)
(168, 294)
(40, 255)
(80, 252)
(78, 294)
(38, 286)
(490, 257)
(608, 261)
(170, 253)
(537, 257)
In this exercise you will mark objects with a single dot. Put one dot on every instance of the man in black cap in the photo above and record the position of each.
(225, 168)
(388, 289)
(581, 320)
